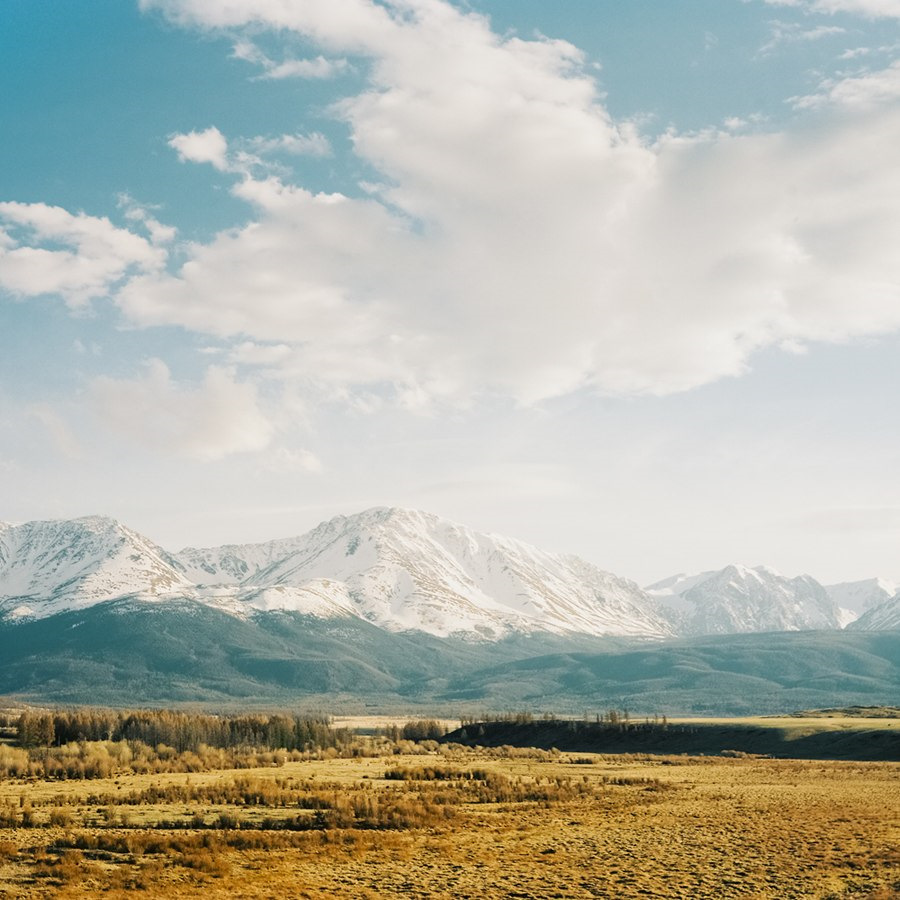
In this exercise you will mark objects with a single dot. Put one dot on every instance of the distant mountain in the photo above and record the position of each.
(404, 570)
(856, 597)
(883, 617)
(397, 569)
(737, 600)
(407, 570)
(393, 607)
(51, 567)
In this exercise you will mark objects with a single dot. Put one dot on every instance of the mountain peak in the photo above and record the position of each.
(53, 565)
(742, 599)
(400, 569)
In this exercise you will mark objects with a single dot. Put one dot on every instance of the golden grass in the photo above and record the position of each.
(808, 723)
(372, 723)
(461, 823)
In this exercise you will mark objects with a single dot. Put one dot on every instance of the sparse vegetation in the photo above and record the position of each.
(382, 817)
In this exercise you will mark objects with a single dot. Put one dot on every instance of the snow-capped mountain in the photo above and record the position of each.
(50, 567)
(394, 568)
(738, 599)
(854, 598)
(403, 570)
(407, 570)
(883, 617)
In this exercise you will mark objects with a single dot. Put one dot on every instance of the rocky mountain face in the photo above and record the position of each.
(738, 599)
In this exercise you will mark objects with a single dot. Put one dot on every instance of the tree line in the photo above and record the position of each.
(180, 730)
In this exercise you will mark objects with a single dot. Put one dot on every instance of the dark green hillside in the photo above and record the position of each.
(728, 675)
(127, 652)
(130, 652)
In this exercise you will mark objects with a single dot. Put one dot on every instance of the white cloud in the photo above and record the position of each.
(314, 144)
(136, 212)
(854, 521)
(318, 68)
(522, 242)
(246, 155)
(307, 68)
(793, 33)
(249, 353)
(76, 256)
(207, 146)
(218, 418)
(864, 91)
(888, 50)
(873, 9)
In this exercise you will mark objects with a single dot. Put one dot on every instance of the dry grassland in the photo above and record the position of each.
(804, 724)
(462, 823)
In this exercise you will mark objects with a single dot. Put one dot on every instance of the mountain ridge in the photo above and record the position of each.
(408, 570)
(398, 569)
(390, 608)
(740, 599)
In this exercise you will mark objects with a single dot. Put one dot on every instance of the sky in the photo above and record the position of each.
(616, 279)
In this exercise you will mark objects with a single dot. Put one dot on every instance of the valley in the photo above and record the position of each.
(388, 817)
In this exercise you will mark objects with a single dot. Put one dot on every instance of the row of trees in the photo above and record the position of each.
(183, 731)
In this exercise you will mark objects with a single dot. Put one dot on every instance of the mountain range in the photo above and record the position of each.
(388, 602)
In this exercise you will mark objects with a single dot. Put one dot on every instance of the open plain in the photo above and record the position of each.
(446, 821)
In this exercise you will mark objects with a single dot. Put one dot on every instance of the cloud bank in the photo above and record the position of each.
(520, 241)
(517, 241)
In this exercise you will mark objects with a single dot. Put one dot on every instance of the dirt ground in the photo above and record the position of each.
(618, 827)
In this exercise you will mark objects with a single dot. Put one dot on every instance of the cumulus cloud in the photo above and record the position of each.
(516, 241)
(208, 146)
(48, 250)
(520, 241)
(215, 419)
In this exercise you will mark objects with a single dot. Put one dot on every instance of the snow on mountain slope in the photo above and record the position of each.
(670, 592)
(48, 567)
(739, 599)
(233, 563)
(404, 569)
(883, 617)
(856, 597)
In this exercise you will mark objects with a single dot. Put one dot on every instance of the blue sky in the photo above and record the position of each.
(619, 279)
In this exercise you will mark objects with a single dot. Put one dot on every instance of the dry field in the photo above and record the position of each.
(452, 822)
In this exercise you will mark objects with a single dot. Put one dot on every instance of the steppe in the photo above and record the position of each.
(395, 818)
